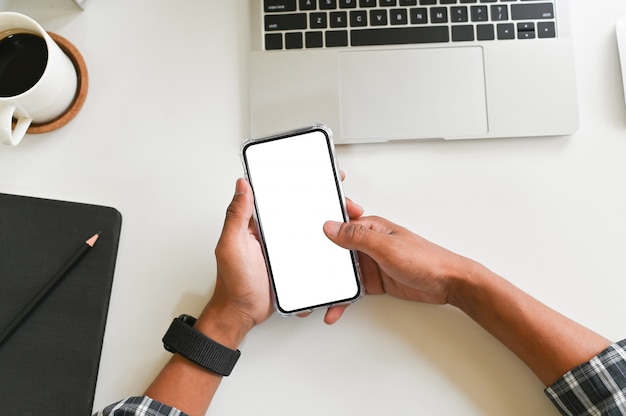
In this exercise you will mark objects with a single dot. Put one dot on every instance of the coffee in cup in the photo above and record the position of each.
(23, 61)
(38, 81)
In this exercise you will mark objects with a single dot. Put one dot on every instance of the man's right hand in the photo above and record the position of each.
(398, 262)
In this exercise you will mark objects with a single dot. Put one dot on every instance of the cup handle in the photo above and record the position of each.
(13, 135)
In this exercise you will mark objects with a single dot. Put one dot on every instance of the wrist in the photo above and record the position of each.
(466, 278)
(184, 339)
(225, 325)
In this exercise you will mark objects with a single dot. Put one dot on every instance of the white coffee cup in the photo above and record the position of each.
(38, 81)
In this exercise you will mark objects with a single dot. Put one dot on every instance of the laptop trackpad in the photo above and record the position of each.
(412, 93)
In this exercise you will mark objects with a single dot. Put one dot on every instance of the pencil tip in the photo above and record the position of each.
(93, 239)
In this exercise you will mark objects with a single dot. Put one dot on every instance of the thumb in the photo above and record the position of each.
(239, 211)
(352, 235)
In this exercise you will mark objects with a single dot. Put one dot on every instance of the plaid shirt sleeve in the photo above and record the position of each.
(597, 387)
(139, 406)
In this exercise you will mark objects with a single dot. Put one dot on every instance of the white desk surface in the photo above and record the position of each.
(158, 138)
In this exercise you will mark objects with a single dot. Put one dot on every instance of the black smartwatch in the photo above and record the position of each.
(182, 338)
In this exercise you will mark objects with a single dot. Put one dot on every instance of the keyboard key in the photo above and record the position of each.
(463, 33)
(526, 26)
(285, 21)
(387, 3)
(367, 3)
(439, 15)
(506, 31)
(336, 38)
(398, 17)
(293, 40)
(408, 3)
(358, 18)
(526, 35)
(479, 14)
(314, 39)
(546, 30)
(308, 4)
(485, 32)
(378, 17)
(339, 19)
(279, 5)
(532, 11)
(318, 20)
(419, 16)
(499, 12)
(399, 36)
(328, 4)
(273, 41)
(347, 4)
(459, 14)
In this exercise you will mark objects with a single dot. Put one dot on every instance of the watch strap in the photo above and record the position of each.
(182, 338)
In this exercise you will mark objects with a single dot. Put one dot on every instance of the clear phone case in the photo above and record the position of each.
(279, 303)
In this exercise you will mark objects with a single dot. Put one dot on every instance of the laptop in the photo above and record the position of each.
(392, 70)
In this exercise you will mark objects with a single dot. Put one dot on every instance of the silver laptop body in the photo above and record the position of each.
(412, 69)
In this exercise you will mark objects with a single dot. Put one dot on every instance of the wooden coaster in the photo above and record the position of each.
(81, 88)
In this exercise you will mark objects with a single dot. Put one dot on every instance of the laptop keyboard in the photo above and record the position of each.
(301, 24)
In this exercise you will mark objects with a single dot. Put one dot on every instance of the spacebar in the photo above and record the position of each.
(399, 36)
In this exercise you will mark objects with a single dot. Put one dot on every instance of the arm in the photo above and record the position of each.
(549, 343)
(241, 301)
(404, 265)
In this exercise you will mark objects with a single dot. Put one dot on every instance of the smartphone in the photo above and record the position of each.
(297, 187)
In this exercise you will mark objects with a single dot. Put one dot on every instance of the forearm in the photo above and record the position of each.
(549, 343)
(187, 386)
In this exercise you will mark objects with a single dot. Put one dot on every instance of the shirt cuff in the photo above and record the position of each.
(597, 387)
(139, 406)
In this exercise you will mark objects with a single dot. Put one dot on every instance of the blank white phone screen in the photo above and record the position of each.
(296, 190)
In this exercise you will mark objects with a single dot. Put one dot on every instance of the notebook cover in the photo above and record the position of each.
(49, 365)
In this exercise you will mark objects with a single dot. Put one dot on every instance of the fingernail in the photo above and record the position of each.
(332, 227)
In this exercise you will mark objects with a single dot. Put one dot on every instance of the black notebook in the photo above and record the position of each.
(49, 365)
